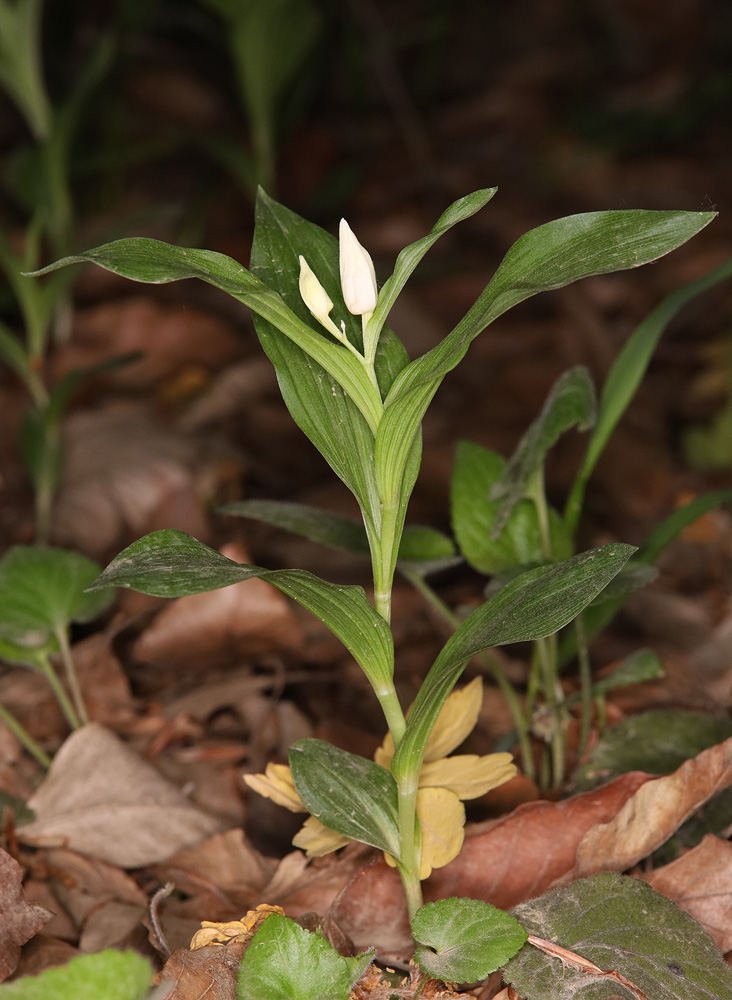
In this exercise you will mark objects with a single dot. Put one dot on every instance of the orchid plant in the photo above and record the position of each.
(350, 386)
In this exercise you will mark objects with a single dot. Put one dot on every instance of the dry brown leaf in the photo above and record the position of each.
(217, 628)
(100, 798)
(105, 903)
(652, 814)
(169, 337)
(19, 919)
(207, 972)
(700, 882)
(125, 474)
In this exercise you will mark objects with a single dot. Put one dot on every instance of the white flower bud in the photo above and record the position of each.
(358, 279)
(313, 294)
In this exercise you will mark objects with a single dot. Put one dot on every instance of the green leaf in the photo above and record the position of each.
(477, 470)
(42, 590)
(550, 256)
(323, 526)
(535, 604)
(147, 260)
(35, 657)
(171, 563)
(641, 666)
(675, 523)
(626, 375)
(464, 940)
(411, 255)
(286, 962)
(106, 975)
(621, 925)
(423, 551)
(347, 793)
(657, 742)
(570, 402)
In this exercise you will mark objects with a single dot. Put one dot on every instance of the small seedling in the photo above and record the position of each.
(351, 387)
(42, 592)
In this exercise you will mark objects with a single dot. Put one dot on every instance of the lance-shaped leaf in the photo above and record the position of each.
(147, 260)
(550, 256)
(570, 402)
(347, 793)
(535, 604)
(626, 375)
(464, 940)
(410, 256)
(171, 563)
(422, 549)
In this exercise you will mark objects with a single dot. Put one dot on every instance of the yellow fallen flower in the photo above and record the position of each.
(232, 931)
(443, 782)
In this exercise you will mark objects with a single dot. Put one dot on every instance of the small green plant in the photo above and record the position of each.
(106, 975)
(351, 387)
(42, 592)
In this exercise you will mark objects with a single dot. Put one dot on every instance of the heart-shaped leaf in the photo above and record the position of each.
(112, 974)
(464, 940)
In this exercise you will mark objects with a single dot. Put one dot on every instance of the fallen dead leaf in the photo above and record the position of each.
(125, 473)
(210, 972)
(19, 919)
(100, 798)
(652, 814)
(700, 882)
(219, 627)
(105, 904)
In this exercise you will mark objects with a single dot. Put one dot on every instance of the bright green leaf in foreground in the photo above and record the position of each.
(464, 940)
(106, 975)
(286, 962)
(42, 590)
(621, 925)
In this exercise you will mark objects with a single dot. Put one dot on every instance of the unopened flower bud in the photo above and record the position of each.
(313, 294)
(358, 279)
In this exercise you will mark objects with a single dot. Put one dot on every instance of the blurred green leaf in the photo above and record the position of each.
(42, 590)
(106, 975)
(656, 742)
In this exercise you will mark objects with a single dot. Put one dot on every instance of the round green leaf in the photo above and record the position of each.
(464, 940)
(43, 590)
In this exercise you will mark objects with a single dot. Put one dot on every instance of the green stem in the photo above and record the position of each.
(409, 843)
(67, 708)
(393, 713)
(547, 649)
(523, 730)
(71, 675)
(24, 738)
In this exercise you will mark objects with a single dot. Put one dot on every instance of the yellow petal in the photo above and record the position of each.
(277, 784)
(468, 775)
(456, 720)
(317, 840)
(232, 930)
(442, 820)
